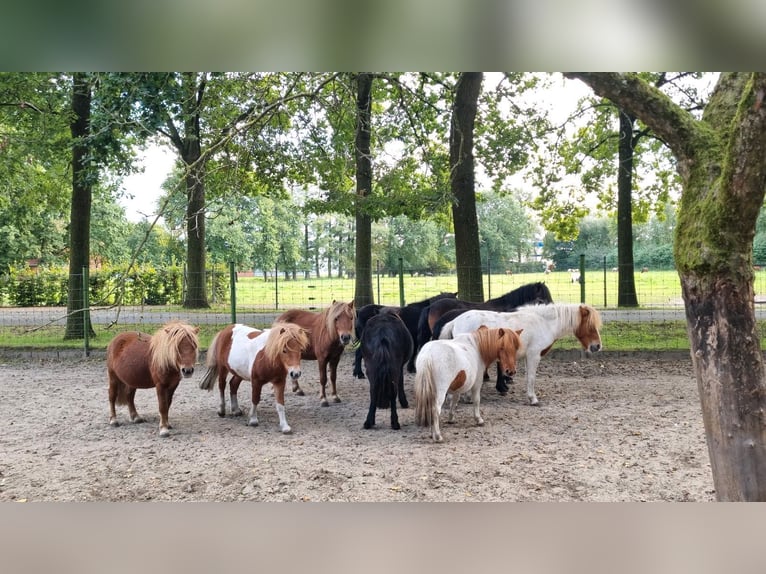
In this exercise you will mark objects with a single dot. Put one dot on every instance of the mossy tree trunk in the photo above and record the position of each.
(722, 162)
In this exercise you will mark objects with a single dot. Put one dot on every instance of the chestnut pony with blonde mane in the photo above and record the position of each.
(261, 357)
(136, 360)
(329, 333)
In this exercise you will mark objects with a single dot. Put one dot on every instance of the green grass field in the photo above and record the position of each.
(656, 290)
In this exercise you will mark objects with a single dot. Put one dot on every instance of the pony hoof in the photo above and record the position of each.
(164, 433)
(287, 430)
(367, 425)
(535, 404)
(396, 426)
(114, 424)
(252, 423)
(138, 420)
(324, 403)
(236, 413)
(336, 399)
(221, 413)
(404, 405)
(300, 392)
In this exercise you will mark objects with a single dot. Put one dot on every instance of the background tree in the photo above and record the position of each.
(462, 185)
(612, 145)
(722, 166)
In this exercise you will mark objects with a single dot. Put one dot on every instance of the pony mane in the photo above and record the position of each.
(334, 311)
(163, 346)
(284, 335)
(566, 313)
(526, 293)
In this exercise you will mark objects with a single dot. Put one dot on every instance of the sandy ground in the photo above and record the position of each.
(609, 428)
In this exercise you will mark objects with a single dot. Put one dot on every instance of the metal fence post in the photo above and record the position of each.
(401, 282)
(233, 291)
(85, 310)
(582, 277)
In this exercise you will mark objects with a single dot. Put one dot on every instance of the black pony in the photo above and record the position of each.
(439, 313)
(410, 314)
(386, 345)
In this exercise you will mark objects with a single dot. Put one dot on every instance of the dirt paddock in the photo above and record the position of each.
(609, 428)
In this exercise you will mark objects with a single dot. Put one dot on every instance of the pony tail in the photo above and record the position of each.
(425, 395)
(208, 380)
(382, 376)
(122, 392)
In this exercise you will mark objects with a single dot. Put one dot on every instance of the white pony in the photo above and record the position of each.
(542, 324)
(457, 366)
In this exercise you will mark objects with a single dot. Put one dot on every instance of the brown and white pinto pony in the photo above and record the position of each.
(135, 360)
(457, 366)
(329, 333)
(261, 357)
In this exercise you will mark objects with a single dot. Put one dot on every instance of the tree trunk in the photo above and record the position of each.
(467, 250)
(79, 219)
(196, 292)
(722, 163)
(626, 284)
(363, 253)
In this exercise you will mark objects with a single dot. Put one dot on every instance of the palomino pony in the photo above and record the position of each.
(329, 333)
(457, 366)
(257, 356)
(542, 324)
(386, 344)
(530, 293)
(410, 314)
(136, 360)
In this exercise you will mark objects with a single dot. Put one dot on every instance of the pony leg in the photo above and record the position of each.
(370, 420)
(358, 372)
(233, 390)
(322, 382)
(436, 433)
(297, 388)
(131, 400)
(454, 400)
(333, 376)
(394, 417)
(400, 390)
(221, 391)
(279, 399)
(502, 381)
(531, 366)
(253, 422)
(476, 395)
(113, 391)
(163, 400)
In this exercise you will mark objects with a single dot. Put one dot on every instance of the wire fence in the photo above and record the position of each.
(658, 323)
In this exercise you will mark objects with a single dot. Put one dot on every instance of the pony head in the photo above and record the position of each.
(587, 331)
(500, 345)
(175, 346)
(285, 344)
(340, 321)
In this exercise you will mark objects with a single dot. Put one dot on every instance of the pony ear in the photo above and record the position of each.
(282, 330)
(196, 330)
(483, 327)
(520, 331)
(351, 305)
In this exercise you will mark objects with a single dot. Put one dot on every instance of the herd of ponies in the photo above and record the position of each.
(448, 343)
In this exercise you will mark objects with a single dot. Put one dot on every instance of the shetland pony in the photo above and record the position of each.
(329, 332)
(457, 366)
(386, 344)
(410, 314)
(136, 360)
(530, 293)
(542, 324)
(257, 356)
